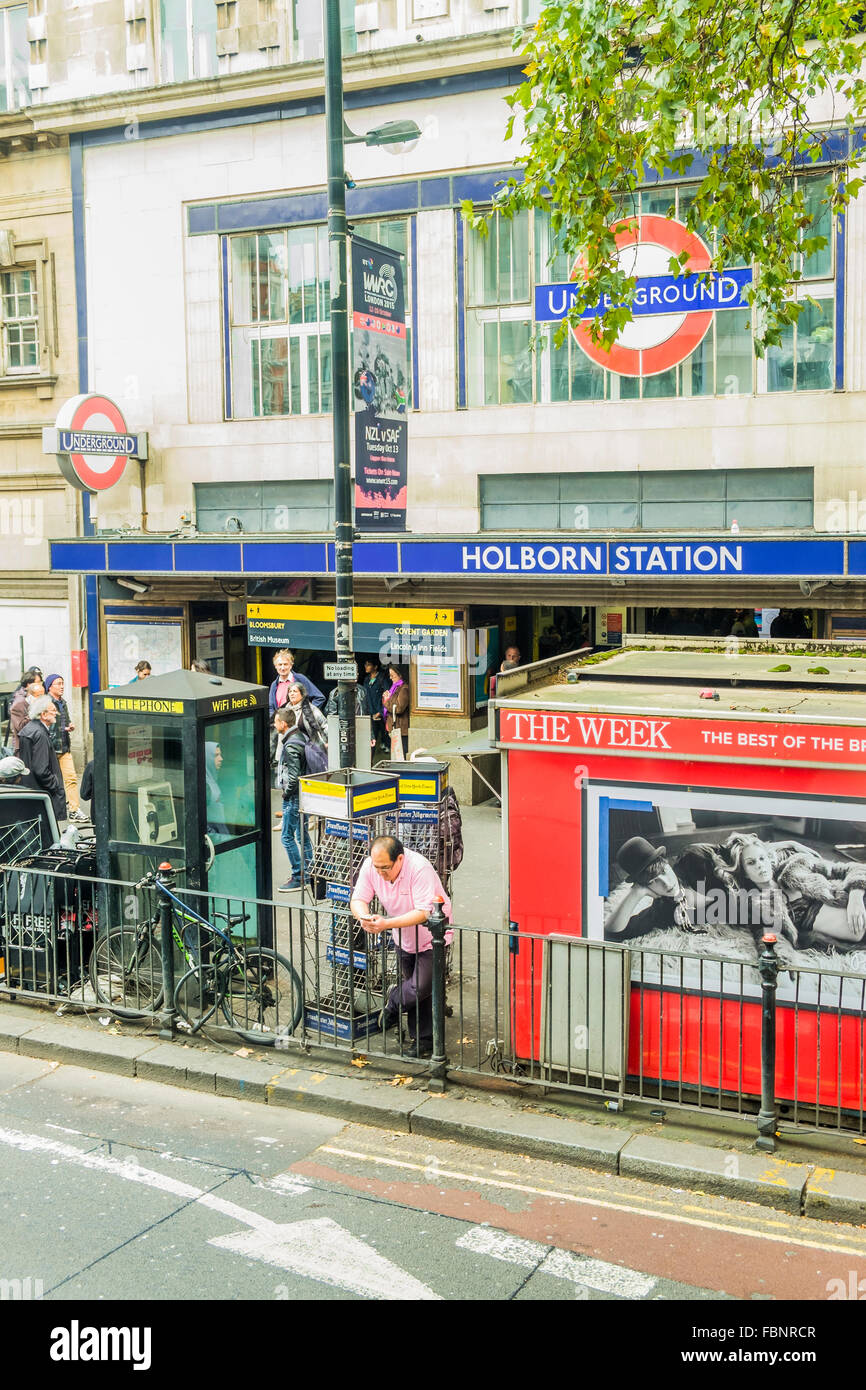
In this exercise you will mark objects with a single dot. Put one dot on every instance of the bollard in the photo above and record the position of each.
(437, 922)
(768, 967)
(165, 875)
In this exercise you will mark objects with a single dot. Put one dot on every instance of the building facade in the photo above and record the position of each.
(549, 498)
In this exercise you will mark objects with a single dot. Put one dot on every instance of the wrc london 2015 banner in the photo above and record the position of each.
(381, 386)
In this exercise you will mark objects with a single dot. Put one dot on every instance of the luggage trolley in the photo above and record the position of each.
(347, 973)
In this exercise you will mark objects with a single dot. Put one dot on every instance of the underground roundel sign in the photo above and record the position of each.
(671, 313)
(92, 442)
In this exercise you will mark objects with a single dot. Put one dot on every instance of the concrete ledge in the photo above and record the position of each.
(346, 1097)
(542, 1136)
(747, 1176)
(76, 1047)
(832, 1195)
(12, 1030)
(246, 1078)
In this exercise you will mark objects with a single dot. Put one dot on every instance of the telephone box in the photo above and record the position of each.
(181, 773)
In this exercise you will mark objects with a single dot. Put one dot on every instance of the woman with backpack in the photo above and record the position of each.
(311, 722)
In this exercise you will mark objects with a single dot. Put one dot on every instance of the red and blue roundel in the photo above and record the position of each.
(669, 321)
(93, 444)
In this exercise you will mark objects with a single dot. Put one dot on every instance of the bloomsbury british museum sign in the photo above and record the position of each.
(92, 443)
(672, 313)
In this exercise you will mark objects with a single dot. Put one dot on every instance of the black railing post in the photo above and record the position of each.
(768, 966)
(165, 875)
(437, 923)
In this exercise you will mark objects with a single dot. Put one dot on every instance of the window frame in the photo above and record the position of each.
(35, 258)
(306, 332)
(191, 32)
(821, 285)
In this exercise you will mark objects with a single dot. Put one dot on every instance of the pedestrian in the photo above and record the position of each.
(19, 711)
(61, 729)
(375, 686)
(142, 671)
(310, 720)
(37, 753)
(87, 785)
(214, 808)
(11, 772)
(291, 767)
(395, 708)
(287, 676)
(512, 656)
(407, 886)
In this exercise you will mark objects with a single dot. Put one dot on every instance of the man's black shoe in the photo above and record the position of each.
(414, 1049)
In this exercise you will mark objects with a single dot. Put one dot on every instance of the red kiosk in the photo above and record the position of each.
(737, 779)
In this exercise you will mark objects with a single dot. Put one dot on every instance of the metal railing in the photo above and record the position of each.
(754, 1039)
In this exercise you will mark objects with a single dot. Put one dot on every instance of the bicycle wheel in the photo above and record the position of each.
(197, 995)
(126, 971)
(263, 999)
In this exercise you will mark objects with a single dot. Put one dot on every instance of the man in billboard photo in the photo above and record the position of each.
(649, 874)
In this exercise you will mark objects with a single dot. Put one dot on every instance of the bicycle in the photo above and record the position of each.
(257, 990)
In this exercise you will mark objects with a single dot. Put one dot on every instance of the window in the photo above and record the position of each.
(188, 32)
(510, 360)
(280, 318)
(307, 29)
(14, 58)
(711, 499)
(20, 324)
(263, 508)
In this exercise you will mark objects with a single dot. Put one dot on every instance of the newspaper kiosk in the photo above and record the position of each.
(661, 803)
(181, 774)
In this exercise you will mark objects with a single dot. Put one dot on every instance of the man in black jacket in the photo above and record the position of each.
(291, 767)
(37, 753)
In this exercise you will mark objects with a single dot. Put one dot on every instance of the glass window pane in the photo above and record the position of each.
(600, 487)
(675, 487)
(325, 372)
(815, 346)
(324, 275)
(515, 361)
(19, 52)
(551, 368)
(520, 487)
(587, 378)
(204, 28)
(302, 275)
(662, 385)
(295, 372)
(491, 362)
(244, 282)
(483, 282)
(245, 372)
(697, 370)
(175, 48)
(273, 263)
(5, 104)
(275, 379)
(629, 388)
(518, 228)
(527, 516)
(734, 354)
(660, 516)
(780, 363)
(820, 263)
(313, 375)
(230, 779)
(757, 515)
(659, 201)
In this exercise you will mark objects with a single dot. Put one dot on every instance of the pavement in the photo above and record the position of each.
(821, 1175)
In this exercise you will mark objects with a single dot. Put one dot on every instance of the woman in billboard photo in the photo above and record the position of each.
(822, 903)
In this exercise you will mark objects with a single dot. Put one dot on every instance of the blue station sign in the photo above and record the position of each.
(655, 294)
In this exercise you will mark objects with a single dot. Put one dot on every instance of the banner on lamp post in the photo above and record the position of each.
(380, 381)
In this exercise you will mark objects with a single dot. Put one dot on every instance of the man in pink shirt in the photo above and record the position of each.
(407, 886)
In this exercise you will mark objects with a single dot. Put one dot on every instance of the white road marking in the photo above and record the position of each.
(282, 1182)
(561, 1264)
(319, 1250)
(324, 1251)
(633, 1209)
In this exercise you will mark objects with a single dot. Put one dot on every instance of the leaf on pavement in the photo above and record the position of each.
(360, 1062)
(400, 1081)
(243, 1052)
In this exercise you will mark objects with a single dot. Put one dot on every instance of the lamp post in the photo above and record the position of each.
(338, 134)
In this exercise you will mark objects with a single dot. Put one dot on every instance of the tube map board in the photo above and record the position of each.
(381, 386)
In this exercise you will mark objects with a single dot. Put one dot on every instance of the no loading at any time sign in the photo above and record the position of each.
(672, 313)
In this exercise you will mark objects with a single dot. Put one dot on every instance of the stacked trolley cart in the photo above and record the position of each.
(347, 972)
